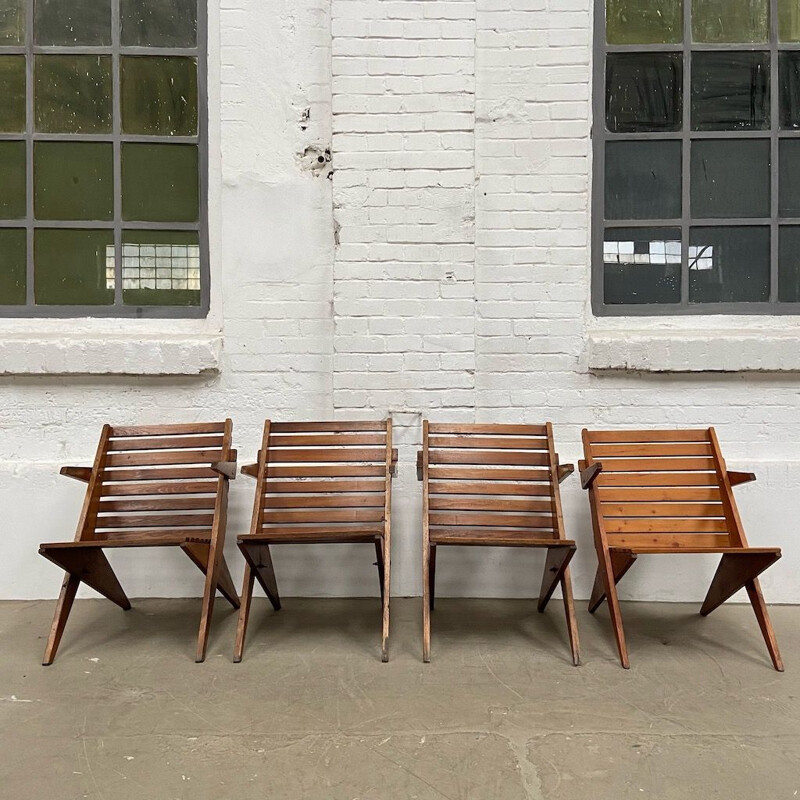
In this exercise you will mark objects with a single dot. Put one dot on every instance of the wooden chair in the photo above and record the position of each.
(669, 491)
(152, 486)
(319, 482)
(495, 485)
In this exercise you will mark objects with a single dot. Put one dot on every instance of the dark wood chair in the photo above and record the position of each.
(498, 486)
(151, 486)
(317, 483)
(669, 491)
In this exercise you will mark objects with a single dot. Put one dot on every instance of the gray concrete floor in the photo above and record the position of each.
(311, 713)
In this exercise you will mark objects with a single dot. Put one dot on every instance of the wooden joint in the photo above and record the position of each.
(740, 477)
(225, 468)
(393, 467)
(250, 469)
(78, 473)
(564, 471)
(419, 465)
(589, 474)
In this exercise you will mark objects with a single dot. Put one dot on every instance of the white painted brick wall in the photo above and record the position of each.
(459, 289)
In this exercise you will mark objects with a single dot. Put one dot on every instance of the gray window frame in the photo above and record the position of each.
(601, 135)
(116, 50)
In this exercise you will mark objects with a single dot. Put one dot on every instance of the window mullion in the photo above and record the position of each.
(686, 151)
(30, 297)
(775, 161)
(117, 130)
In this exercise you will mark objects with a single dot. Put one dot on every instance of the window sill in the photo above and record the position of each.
(98, 353)
(698, 350)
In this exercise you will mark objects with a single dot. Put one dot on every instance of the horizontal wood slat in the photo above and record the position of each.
(499, 458)
(325, 487)
(489, 519)
(158, 474)
(319, 533)
(460, 503)
(687, 525)
(163, 458)
(490, 429)
(333, 427)
(167, 430)
(657, 464)
(487, 488)
(182, 487)
(666, 542)
(166, 443)
(158, 504)
(154, 520)
(152, 537)
(333, 500)
(332, 471)
(497, 538)
(486, 443)
(282, 456)
(664, 450)
(334, 440)
(269, 516)
(663, 510)
(475, 474)
(646, 436)
(666, 479)
(667, 494)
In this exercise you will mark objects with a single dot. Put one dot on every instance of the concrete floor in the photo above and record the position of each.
(312, 714)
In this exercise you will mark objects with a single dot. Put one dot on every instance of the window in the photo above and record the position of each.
(696, 200)
(103, 158)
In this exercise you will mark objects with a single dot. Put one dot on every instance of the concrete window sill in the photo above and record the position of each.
(75, 353)
(701, 350)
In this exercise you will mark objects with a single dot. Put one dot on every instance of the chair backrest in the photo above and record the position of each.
(494, 476)
(155, 482)
(662, 488)
(324, 475)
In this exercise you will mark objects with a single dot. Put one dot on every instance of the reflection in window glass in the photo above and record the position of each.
(12, 94)
(730, 20)
(159, 23)
(13, 266)
(789, 265)
(790, 89)
(729, 264)
(642, 265)
(13, 192)
(643, 92)
(730, 91)
(72, 22)
(789, 20)
(789, 185)
(12, 22)
(644, 21)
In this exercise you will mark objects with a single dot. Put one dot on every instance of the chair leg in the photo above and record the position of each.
(433, 576)
(734, 572)
(209, 593)
(379, 564)
(426, 603)
(572, 622)
(65, 599)
(613, 607)
(244, 612)
(621, 562)
(558, 559)
(760, 607)
(198, 553)
(385, 599)
(261, 561)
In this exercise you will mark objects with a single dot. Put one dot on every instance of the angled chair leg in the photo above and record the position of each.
(558, 559)
(198, 554)
(65, 599)
(426, 604)
(90, 565)
(261, 561)
(433, 576)
(760, 607)
(572, 623)
(209, 593)
(244, 612)
(379, 564)
(621, 562)
(613, 607)
(385, 599)
(734, 572)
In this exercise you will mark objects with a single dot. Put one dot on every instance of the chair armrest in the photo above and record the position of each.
(393, 467)
(564, 471)
(740, 477)
(589, 474)
(225, 468)
(78, 473)
(419, 465)
(250, 469)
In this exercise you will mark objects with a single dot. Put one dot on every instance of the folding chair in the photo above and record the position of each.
(494, 485)
(152, 486)
(669, 491)
(319, 482)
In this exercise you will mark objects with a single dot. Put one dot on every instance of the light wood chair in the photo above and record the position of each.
(669, 491)
(498, 486)
(150, 486)
(319, 482)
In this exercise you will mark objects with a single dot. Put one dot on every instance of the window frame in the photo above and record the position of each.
(116, 137)
(600, 136)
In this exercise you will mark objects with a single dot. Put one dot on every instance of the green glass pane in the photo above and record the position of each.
(73, 180)
(159, 95)
(12, 22)
(12, 94)
(160, 268)
(71, 267)
(72, 22)
(789, 265)
(160, 182)
(789, 179)
(73, 94)
(730, 20)
(159, 23)
(789, 20)
(12, 180)
(13, 266)
(644, 21)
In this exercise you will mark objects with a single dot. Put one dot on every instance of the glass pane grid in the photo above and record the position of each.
(731, 235)
(66, 98)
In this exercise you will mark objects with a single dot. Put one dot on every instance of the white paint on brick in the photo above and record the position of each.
(459, 290)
